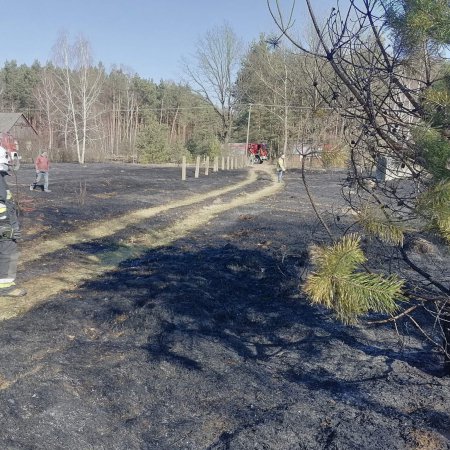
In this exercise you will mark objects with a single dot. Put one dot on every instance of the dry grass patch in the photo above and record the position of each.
(426, 440)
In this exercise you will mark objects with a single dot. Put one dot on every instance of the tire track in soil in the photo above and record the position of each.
(91, 266)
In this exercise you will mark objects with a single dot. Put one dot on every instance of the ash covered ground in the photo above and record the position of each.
(206, 343)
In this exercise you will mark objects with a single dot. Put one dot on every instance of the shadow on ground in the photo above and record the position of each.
(212, 348)
(206, 344)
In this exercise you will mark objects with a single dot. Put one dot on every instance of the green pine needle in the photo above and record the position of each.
(435, 204)
(342, 257)
(350, 294)
(378, 223)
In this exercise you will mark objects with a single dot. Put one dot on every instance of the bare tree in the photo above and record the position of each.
(79, 85)
(45, 98)
(385, 89)
(213, 70)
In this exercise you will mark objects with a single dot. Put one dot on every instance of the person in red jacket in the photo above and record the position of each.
(42, 166)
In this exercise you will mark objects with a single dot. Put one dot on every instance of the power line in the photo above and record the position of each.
(208, 107)
(240, 105)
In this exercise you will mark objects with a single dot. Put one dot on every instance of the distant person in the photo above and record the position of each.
(42, 166)
(281, 168)
(9, 234)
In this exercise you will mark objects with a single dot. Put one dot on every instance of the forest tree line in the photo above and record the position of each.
(84, 112)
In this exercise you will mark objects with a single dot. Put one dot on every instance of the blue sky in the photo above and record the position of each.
(150, 37)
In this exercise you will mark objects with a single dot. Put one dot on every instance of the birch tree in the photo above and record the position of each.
(79, 84)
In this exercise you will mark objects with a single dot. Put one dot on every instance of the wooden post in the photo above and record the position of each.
(207, 166)
(216, 164)
(197, 167)
(223, 163)
(183, 168)
(228, 163)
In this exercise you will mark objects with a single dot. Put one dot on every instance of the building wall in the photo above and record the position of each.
(27, 140)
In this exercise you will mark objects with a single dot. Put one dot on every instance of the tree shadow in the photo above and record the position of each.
(240, 298)
(222, 325)
(235, 307)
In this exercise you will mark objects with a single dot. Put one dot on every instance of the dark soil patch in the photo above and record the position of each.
(207, 344)
(81, 194)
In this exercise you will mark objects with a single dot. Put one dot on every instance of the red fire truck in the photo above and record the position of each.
(257, 153)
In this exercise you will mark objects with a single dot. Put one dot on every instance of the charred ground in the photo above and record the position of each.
(204, 343)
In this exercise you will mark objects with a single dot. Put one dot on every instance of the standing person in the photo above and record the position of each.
(42, 166)
(9, 234)
(281, 168)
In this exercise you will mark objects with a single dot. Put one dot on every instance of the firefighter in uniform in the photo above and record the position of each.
(281, 168)
(9, 234)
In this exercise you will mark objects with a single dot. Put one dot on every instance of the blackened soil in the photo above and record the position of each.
(208, 343)
(81, 194)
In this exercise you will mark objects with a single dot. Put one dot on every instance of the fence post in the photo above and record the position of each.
(216, 164)
(207, 166)
(183, 168)
(223, 162)
(197, 167)
(228, 163)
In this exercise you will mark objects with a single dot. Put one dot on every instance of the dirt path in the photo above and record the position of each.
(91, 266)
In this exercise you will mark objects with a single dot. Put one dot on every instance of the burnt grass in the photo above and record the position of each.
(207, 343)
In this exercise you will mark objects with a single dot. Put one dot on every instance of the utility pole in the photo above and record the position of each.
(248, 127)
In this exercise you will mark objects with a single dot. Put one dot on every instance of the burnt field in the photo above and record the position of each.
(167, 315)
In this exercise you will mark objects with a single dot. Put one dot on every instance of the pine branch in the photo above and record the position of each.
(379, 224)
(337, 285)
(341, 258)
(435, 205)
